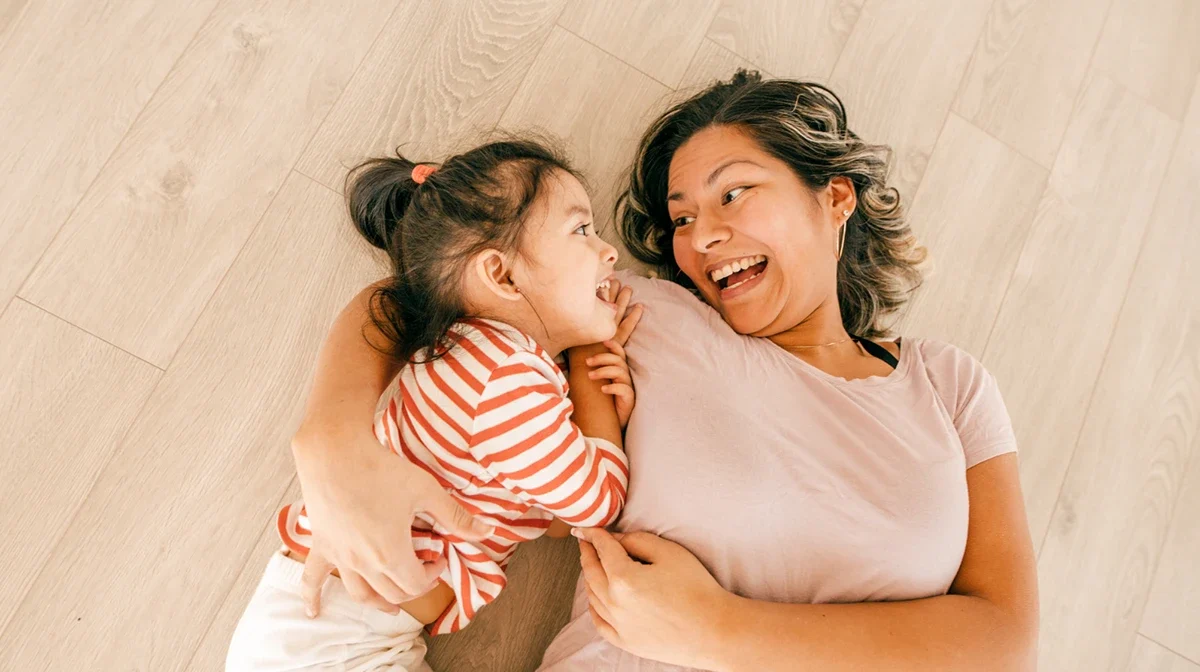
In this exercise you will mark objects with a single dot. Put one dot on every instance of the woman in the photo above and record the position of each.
(800, 496)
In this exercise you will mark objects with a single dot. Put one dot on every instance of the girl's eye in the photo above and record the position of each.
(683, 221)
(583, 229)
(732, 194)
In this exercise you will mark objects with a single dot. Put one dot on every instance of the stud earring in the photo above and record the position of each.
(845, 213)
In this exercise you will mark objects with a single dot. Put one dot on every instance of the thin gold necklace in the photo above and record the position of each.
(818, 345)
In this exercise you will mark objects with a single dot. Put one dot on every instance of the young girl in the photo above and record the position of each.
(496, 271)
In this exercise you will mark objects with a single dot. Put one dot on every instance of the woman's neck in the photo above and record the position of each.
(821, 328)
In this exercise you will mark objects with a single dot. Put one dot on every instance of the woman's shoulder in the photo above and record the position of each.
(957, 375)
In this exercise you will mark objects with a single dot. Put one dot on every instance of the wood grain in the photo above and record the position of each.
(210, 654)
(794, 40)
(657, 37)
(1053, 330)
(74, 74)
(439, 77)
(1172, 614)
(896, 89)
(1149, 656)
(711, 63)
(973, 212)
(602, 107)
(1152, 47)
(66, 399)
(1143, 422)
(188, 184)
(167, 528)
(1027, 70)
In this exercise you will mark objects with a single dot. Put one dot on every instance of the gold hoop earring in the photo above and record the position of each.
(842, 237)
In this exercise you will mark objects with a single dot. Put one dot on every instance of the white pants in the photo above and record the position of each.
(274, 634)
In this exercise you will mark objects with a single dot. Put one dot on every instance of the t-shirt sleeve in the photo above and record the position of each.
(523, 435)
(974, 400)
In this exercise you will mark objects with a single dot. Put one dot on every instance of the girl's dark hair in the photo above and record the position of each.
(804, 125)
(474, 201)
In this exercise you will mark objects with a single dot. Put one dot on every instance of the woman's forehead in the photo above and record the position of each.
(709, 150)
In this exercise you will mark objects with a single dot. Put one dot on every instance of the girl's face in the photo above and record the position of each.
(758, 243)
(564, 268)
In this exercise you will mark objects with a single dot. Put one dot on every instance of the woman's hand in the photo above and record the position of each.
(360, 501)
(651, 596)
(612, 365)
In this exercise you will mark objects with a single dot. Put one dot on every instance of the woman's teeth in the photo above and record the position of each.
(735, 266)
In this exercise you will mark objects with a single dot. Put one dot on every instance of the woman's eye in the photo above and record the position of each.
(732, 194)
(683, 221)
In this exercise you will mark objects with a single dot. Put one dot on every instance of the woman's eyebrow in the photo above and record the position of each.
(712, 177)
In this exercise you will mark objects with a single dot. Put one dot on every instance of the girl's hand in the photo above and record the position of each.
(613, 366)
(652, 597)
(361, 499)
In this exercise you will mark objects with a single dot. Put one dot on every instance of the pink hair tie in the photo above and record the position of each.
(422, 171)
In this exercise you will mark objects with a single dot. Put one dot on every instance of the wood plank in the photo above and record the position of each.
(1143, 422)
(1174, 603)
(1027, 70)
(657, 37)
(66, 399)
(1054, 327)
(602, 107)
(210, 654)
(169, 213)
(160, 540)
(899, 72)
(1149, 656)
(75, 75)
(1172, 610)
(1152, 47)
(794, 40)
(973, 212)
(439, 77)
(711, 63)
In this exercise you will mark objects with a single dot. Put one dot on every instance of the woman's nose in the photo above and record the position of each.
(708, 232)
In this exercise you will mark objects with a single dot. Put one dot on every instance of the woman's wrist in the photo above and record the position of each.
(722, 636)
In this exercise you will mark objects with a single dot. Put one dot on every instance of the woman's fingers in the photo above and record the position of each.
(383, 585)
(606, 630)
(316, 569)
(362, 592)
(612, 555)
(593, 570)
(442, 508)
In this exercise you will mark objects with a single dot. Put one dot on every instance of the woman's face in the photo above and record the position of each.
(758, 243)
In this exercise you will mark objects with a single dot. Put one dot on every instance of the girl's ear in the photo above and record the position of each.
(496, 275)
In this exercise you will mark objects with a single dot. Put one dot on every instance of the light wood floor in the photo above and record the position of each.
(173, 247)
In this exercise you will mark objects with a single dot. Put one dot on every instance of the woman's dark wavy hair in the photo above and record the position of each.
(804, 125)
(475, 201)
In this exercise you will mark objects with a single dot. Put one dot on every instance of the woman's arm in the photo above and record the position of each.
(673, 610)
(360, 498)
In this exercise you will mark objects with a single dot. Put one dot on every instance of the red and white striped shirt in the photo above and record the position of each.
(492, 422)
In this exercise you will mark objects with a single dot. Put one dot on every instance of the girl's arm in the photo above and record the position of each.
(673, 610)
(359, 497)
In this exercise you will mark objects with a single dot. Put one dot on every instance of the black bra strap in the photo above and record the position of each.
(878, 351)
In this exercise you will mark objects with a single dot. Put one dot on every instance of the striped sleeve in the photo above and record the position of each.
(523, 435)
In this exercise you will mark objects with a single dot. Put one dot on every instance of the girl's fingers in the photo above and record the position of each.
(606, 359)
(628, 324)
(623, 298)
(621, 391)
(617, 374)
(616, 349)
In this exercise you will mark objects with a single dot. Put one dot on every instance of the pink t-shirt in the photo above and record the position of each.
(789, 484)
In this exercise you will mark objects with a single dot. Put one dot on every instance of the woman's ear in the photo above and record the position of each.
(495, 274)
(842, 198)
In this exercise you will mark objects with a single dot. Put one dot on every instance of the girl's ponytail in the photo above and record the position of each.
(379, 192)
